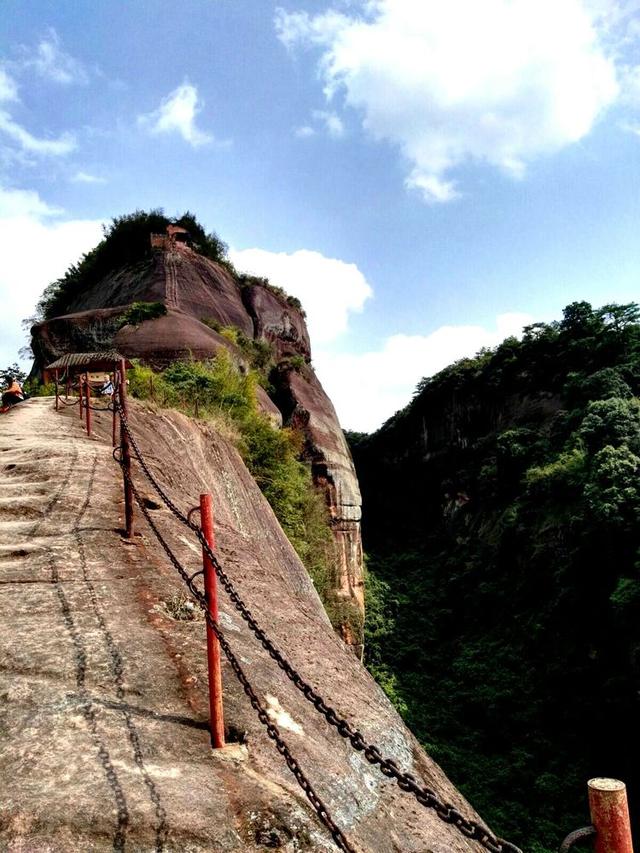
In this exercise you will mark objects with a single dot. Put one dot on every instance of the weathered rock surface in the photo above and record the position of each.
(103, 738)
(196, 289)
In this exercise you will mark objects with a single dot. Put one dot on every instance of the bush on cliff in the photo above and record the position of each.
(271, 455)
(140, 312)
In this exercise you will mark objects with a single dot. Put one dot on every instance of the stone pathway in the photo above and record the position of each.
(98, 751)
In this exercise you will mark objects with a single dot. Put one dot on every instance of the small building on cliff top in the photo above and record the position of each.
(175, 234)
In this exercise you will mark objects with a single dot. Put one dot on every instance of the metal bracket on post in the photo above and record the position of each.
(213, 647)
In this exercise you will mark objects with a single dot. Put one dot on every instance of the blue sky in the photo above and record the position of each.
(427, 177)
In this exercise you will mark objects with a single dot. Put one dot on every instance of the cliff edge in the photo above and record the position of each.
(104, 712)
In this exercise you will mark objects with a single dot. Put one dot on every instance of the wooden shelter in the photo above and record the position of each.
(73, 364)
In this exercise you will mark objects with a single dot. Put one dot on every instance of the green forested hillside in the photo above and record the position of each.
(501, 520)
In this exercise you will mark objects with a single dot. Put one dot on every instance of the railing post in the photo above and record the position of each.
(87, 394)
(80, 382)
(213, 647)
(57, 389)
(115, 384)
(126, 454)
(610, 816)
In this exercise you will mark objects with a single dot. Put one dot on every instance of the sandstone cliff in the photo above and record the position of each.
(103, 736)
(201, 296)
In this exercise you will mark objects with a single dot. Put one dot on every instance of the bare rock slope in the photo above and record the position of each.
(103, 738)
(197, 293)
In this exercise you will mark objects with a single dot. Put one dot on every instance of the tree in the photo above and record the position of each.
(612, 491)
(579, 319)
(611, 422)
(14, 372)
(620, 316)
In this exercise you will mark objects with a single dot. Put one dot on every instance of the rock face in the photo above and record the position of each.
(104, 709)
(199, 294)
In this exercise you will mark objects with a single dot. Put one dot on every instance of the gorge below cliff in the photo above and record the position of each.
(501, 524)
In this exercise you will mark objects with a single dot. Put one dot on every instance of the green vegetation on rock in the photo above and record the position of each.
(139, 312)
(502, 526)
(226, 395)
(126, 243)
(259, 353)
(246, 280)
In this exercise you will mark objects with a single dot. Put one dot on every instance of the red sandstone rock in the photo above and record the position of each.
(194, 289)
(104, 709)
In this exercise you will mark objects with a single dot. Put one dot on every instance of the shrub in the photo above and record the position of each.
(271, 456)
(558, 478)
(139, 312)
(614, 421)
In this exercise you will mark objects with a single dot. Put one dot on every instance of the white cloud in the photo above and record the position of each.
(367, 388)
(630, 127)
(177, 114)
(87, 178)
(433, 189)
(50, 61)
(24, 204)
(8, 87)
(63, 144)
(453, 81)
(329, 289)
(294, 27)
(332, 122)
(37, 245)
(26, 141)
(304, 132)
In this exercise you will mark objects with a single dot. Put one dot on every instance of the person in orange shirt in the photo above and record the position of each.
(13, 394)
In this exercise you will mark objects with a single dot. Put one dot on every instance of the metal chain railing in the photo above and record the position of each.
(447, 812)
(108, 408)
(272, 730)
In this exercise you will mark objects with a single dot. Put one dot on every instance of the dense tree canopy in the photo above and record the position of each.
(502, 511)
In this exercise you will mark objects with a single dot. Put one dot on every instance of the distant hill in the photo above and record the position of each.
(502, 511)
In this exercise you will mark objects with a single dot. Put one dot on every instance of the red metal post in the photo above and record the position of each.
(213, 647)
(87, 395)
(57, 390)
(80, 383)
(115, 382)
(126, 454)
(610, 816)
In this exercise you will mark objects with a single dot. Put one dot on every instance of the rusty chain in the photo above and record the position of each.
(428, 798)
(272, 730)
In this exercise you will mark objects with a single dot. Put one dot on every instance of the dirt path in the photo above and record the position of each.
(96, 742)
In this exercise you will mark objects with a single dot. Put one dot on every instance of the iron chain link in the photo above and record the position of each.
(447, 812)
(272, 730)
